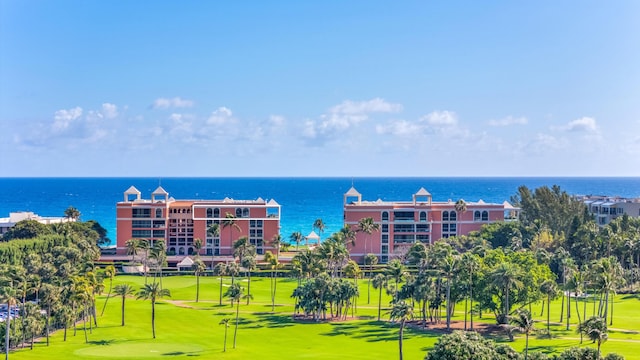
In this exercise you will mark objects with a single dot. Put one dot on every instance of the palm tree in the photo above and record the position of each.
(596, 329)
(249, 263)
(380, 281)
(133, 245)
(461, 207)
(198, 268)
(221, 270)
(506, 276)
(230, 222)
(550, 289)
(371, 260)
(272, 260)
(396, 271)
(471, 264)
(524, 323)
(368, 226)
(152, 292)
(225, 322)
(297, 238)
(72, 213)
(123, 290)
(235, 294)
(319, 224)
(449, 266)
(401, 311)
(159, 255)
(213, 231)
(276, 243)
(109, 272)
(197, 246)
(7, 296)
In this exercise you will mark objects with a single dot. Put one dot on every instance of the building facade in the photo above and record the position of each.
(180, 222)
(420, 220)
(15, 217)
(607, 208)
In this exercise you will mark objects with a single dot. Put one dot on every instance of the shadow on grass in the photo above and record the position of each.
(102, 342)
(181, 353)
(376, 331)
(275, 321)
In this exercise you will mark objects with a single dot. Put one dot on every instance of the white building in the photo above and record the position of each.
(15, 217)
(607, 208)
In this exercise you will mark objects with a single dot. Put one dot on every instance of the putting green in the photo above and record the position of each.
(126, 349)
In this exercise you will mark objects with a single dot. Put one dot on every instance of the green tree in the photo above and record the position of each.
(370, 260)
(7, 297)
(225, 322)
(220, 270)
(27, 229)
(461, 208)
(198, 268)
(109, 272)
(506, 276)
(229, 221)
(297, 238)
(72, 213)
(380, 281)
(523, 322)
(401, 312)
(152, 292)
(550, 289)
(319, 225)
(123, 290)
(595, 328)
(234, 292)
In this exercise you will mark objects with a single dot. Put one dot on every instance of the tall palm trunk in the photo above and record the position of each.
(6, 332)
(379, 301)
(47, 321)
(579, 318)
(568, 308)
(84, 323)
(220, 290)
(235, 331)
(108, 296)
(153, 318)
(197, 287)
(122, 310)
(548, 315)
(400, 334)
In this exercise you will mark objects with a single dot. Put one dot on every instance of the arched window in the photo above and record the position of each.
(445, 216)
(476, 215)
(245, 212)
(209, 212)
(181, 251)
(385, 216)
(158, 213)
(423, 216)
(216, 213)
(485, 215)
(238, 212)
(452, 215)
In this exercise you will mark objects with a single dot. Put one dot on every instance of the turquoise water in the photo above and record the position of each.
(302, 199)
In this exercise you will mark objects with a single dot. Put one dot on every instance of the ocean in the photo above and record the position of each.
(303, 200)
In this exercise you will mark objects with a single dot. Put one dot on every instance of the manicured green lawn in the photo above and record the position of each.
(186, 329)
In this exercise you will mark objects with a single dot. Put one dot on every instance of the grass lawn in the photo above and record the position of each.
(186, 329)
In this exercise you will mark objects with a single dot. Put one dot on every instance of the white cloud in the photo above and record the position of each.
(400, 128)
(584, 124)
(220, 116)
(368, 106)
(440, 118)
(63, 118)
(176, 102)
(277, 120)
(346, 115)
(109, 111)
(509, 120)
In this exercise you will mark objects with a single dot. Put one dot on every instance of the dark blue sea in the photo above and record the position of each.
(302, 199)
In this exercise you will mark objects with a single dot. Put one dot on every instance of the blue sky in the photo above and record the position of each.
(326, 88)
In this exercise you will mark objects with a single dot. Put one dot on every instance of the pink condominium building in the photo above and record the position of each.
(180, 222)
(403, 223)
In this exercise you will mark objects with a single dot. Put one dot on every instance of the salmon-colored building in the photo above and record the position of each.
(179, 222)
(420, 220)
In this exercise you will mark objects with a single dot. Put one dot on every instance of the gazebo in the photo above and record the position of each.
(185, 264)
(312, 236)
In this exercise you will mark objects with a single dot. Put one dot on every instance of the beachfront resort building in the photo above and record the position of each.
(15, 217)
(403, 223)
(607, 208)
(180, 222)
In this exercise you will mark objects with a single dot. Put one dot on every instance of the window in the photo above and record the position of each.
(445, 216)
(423, 216)
(619, 210)
(238, 212)
(245, 212)
(385, 239)
(445, 227)
(140, 233)
(158, 213)
(476, 215)
(403, 215)
(140, 224)
(141, 213)
(452, 215)
(403, 228)
(158, 233)
(385, 227)
(209, 213)
(385, 249)
(385, 216)
(452, 227)
(422, 227)
(423, 238)
(216, 213)
(485, 215)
